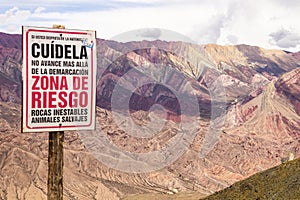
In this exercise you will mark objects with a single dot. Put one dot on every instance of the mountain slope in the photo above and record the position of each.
(259, 130)
(280, 182)
(275, 111)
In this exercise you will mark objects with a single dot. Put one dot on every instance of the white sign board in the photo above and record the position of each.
(59, 79)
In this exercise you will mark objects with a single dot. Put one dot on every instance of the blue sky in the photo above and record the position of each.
(265, 23)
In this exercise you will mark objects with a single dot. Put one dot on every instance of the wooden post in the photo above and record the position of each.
(55, 160)
(55, 165)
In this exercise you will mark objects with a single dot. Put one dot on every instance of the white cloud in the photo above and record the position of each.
(209, 32)
(285, 38)
(13, 17)
(39, 10)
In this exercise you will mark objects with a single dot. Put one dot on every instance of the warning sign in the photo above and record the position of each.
(59, 79)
